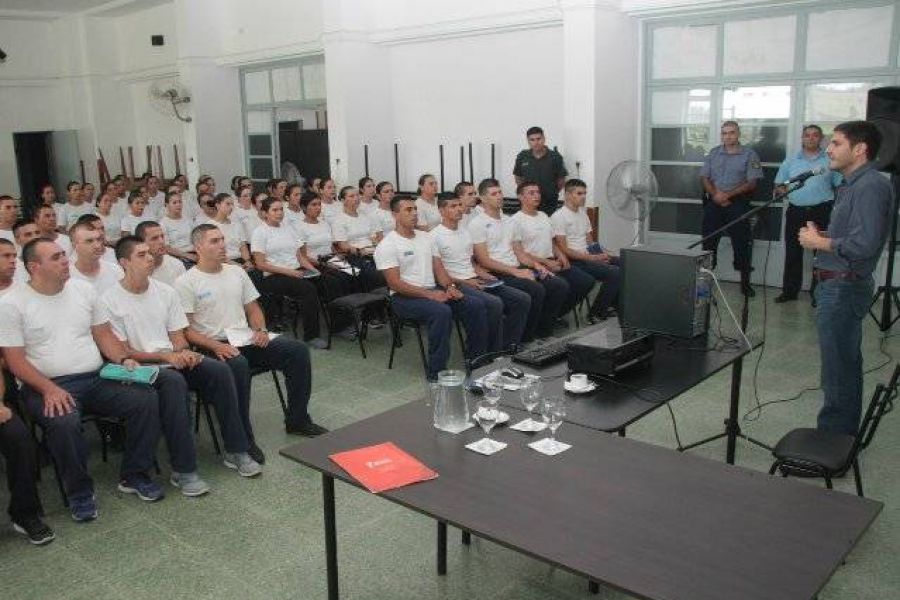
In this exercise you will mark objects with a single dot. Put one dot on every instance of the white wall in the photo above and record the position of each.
(483, 89)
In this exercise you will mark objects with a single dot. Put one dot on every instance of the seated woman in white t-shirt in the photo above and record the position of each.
(237, 250)
(293, 212)
(207, 212)
(275, 249)
(243, 205)
(354, 237)
(112, 223)
(382, 215)
(331, 207)
(177, 228)
(135, 214)
(426, 203)
(367, 200)
(253, 219)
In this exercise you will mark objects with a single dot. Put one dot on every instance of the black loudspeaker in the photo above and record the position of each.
(883, 110)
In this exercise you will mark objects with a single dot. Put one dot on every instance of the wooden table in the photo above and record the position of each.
(645, 520)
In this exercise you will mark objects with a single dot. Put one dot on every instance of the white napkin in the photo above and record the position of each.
(243, 336)
(486, 446)
(546, 446)
(529, 426)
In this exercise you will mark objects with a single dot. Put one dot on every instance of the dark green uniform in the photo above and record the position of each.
(545, 171)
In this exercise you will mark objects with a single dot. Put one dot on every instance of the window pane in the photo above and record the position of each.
(688, 144)
(684, 51)
(256, 87)
(762, 102)
(259, 121)
(314, 81)
(286, 84)
(850, 38)
(760, 45)
(677, 181)
(680, 107)
(673, 217)
(769, 141)
(836, 102)
(260, 144)
(261, 168)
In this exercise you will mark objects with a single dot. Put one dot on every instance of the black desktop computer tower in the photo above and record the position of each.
(664, 291)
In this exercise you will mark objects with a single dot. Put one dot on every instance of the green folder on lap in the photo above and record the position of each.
(146, 375)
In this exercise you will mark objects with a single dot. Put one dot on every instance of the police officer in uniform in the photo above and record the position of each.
(542, 165)
(729, 176)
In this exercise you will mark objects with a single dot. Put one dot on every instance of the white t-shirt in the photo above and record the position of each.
(498, 234)
(67, 214)
(7, 234)
(331, 210)
(574, 226)
(412, 256)
(356, 231)
(366, 208)
(216, 300)
(55, 331)
(383, 219)
(169, 270)
(156, 206)
(190, 208)
(234, 238)
(178, 233)
(454, 248)
(130, 222)
(317, 238)
(251, 222)
(279, 244)
(429, 215)
(62, 240)
(119, 208)
(109, 275)
(112, 226)
(292, 219)
(239, 215)
(535, 232)
(144, 320)
(21, 275)
(8, 288)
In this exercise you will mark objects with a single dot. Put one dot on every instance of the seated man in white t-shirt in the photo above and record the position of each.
(89, 266)
(219, 300)
(75, 206)
(45, 219)
(24, 230)
(9, 213)
(535, 233)
(406, 259)
(452, 250)
(156, 199)
(572, 235)
(147, 316)
(52, 334)
(109, 254)
(166, 268)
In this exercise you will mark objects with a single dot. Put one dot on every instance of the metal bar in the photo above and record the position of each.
(331, 562)
(366, 158)
(441, 159)
(177, 160)
(396, 167)
(81, 168)
(131, 161)
(493, 153)
(462, 163)
(162, 172)
(471, 168)
(122, 162)
(441, 548)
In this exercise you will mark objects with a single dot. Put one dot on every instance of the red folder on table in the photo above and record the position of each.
(382, 467)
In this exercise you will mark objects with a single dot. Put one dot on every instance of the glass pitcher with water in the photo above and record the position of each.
(451, 412)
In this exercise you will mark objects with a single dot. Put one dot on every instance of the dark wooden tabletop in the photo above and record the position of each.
(677, 366)
(643, 519)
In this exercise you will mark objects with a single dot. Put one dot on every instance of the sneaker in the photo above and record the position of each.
(145, 488)
(190, 484)
(83, 509)
(308, 429)
(256, 453)
(37, 532)
(242, 463)
(317, 343)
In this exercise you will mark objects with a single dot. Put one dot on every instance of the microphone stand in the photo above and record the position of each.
(732, 424)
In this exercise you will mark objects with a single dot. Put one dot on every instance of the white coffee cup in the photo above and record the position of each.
(578, 380)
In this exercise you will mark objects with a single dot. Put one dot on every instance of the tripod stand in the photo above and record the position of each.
(732, 424)
(888, 291)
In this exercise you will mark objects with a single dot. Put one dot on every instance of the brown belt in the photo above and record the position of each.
(825, 275)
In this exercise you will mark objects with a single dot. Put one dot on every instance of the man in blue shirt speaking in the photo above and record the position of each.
(847, 255)
(812, 202)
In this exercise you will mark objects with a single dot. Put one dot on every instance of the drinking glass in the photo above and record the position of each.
(531, 397)
(486, 414)
(553, 411)
(493, 388)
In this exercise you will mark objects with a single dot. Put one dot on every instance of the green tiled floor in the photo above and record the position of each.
(263, 538)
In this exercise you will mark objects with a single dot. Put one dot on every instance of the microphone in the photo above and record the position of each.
(805, 175)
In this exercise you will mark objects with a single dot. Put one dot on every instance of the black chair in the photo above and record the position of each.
(813, 453)
(361, 306)
(397, 324)
(200, 403)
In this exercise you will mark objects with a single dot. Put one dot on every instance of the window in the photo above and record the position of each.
(828, 104)
(863, 36)
(759, 46)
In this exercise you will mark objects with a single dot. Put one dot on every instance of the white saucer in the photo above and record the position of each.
(590, 387)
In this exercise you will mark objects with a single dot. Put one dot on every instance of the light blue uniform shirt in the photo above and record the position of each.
(817, 189)
(728, 171)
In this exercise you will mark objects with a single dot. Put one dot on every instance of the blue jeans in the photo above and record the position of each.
(493, 306)
(580, 285)
(136, 404)
(212, 379)
(842, 305)
(607, 274)
(516, 307)
(548, 296)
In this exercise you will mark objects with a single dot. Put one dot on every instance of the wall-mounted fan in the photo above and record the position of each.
(632, 191)
(167, 96)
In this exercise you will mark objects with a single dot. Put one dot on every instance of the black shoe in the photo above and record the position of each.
(747, 290)
(308, 429)
(602, 315)
(256, 453)
(37, 532)
(785, 298)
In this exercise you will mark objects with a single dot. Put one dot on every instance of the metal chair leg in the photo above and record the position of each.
(357, 327)
(774, 467)
(284, 406)
(828, 482)
(212, 428)
(857, 478)
(422, 350)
